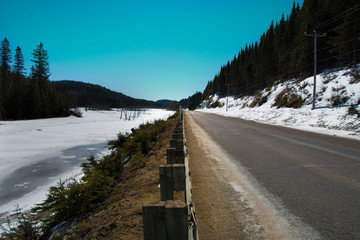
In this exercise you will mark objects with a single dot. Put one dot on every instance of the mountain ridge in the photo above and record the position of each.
(96, 96)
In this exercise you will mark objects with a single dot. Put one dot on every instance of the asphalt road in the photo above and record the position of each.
(317, 177)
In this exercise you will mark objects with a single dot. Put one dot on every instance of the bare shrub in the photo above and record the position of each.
(355, 78)
(328, 77)
(215, 104)
(287, 98)
(256, 100)
(337, 100)
(353, 111)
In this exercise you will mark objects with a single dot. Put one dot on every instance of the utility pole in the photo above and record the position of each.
(227, 96)
(315, 35)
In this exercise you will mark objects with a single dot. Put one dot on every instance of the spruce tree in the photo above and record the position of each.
(19, 66)
(40, 73)
(41, 68)
(5, 54)
(16, 92)
(5, 60)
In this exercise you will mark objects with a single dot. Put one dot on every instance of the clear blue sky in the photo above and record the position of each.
(145, 49)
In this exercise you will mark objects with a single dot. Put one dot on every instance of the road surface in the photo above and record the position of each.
(306, 177)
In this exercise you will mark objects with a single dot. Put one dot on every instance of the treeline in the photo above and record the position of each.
(28, 97)
(284, 52)
(98, 97)
(191, 102)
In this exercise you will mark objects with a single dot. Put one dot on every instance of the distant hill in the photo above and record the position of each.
(96, 96)
(165, 102)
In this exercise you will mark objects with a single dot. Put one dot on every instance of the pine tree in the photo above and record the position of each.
(19, 66)
(41, 68)
(5, 54)
(15, 93)
(5, 60)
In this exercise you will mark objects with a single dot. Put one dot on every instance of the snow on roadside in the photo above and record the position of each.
(333, 88)
(23, 143)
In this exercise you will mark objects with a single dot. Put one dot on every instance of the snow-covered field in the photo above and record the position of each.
(26, 142)
(333, 88)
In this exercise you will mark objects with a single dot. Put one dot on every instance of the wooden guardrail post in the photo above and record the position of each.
(178, 136)
(154, 220)
(172, 178)
(178, 130)
(171, 156)
(174, 156)
(173, 143)
(179, 157)
(176, 220)
(176, 143)
(165, 220)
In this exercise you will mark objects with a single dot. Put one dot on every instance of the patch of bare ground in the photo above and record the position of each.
(120, 216)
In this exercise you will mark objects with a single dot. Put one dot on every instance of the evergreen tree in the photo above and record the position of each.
(194, 101)
(41, 68)
(5, 54)
(14, 103)
(19, 66)
(5, 60)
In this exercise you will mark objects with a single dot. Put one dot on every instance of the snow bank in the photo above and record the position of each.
(336, 91)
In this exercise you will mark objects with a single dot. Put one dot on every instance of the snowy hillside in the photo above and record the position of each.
(290, 104)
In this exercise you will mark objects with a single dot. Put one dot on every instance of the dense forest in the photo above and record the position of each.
(285, 52)
(97, 97)
(31, 97)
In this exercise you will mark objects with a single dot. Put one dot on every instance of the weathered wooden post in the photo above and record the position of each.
(172, 178)
(174, 156)
(179, 157)
(178, 136)
(154, 220)
(165, 220)
(176, 220)
(178, 129)
(171, 156)
(173, 143)
(178, 144)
